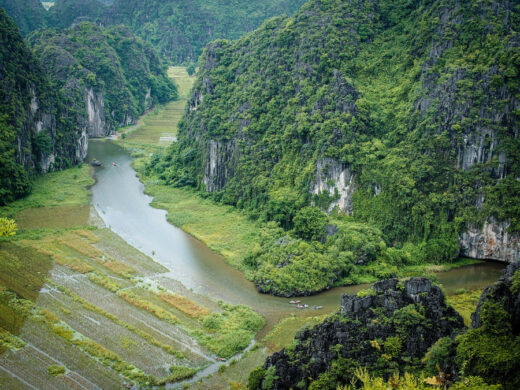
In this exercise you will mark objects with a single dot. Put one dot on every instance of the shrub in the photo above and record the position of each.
(56, 370)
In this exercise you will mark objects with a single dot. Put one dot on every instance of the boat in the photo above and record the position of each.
(96, 163)
(114, 164)
(317, 307)
(292, 302)
(296, 301)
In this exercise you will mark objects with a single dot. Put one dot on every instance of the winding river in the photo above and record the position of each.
(119, 198)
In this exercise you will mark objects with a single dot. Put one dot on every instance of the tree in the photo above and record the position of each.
(310, 223)
(7, 227)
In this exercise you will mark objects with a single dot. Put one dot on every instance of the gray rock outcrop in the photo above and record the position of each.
(363, 325)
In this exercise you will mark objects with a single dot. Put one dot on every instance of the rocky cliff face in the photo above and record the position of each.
(95, 106)
(504, 293)
(40, 132)
(413, 316)
(337, 180)
(218, 167)
(491, 242)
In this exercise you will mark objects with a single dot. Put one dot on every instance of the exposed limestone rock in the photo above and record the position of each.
(362, 320)
(492, 242)
(217, 168)
(95, 105)
(336, 179)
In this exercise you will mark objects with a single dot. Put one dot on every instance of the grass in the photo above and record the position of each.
(231, 331)
(182, 80)
(224, 229)
(150, 307)
(185, 305)
(465, 302)
(159, 127)
(10, 341)
(57, 190)
(283, 333)
(23, 270)
(56, 370)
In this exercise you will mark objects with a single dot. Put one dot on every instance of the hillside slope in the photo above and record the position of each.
(115, 73)
(179, 30)
(37, 134)
(29, 15)
(403, 115)
(406, 326)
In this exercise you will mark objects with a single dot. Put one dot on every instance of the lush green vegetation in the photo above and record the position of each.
(492, 350)
(44, 117)
(112, 61)
(55, 235)
(412, 382)
(364, 87)
(29, 15)
(19, 74)
(178, 29)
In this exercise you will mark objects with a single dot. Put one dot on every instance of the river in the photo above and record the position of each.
(119, 198)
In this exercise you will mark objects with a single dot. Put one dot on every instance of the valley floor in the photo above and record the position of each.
(80, 308)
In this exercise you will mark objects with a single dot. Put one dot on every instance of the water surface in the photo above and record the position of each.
(119, 198)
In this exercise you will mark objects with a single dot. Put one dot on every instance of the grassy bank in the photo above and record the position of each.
(229, 232)
(77, 296)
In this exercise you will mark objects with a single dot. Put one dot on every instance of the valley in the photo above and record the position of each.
(287, 194)
(99, 305)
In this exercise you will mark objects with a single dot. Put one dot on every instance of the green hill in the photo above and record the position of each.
(123, 75)
(403, 115)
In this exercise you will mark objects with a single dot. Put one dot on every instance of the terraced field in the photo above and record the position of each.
(79, 308)
(159, 127)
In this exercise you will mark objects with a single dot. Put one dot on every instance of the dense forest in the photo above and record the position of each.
(81, 82)
(30, 140)
(112, 62)
(29, 15)
(178, 30)
(398, 119)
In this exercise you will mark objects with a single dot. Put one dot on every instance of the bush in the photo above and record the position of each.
(56, 370)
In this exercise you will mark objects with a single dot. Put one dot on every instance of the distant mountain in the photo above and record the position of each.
(179, 30)
(65, 13)
(29, 15)
(404, 115)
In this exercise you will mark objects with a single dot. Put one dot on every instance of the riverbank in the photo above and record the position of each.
(90, 304)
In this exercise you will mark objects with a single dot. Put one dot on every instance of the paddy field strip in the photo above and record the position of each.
(80, 308)
(159, 127)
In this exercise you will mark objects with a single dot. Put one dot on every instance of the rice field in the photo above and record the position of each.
(159, 127)
(81, 309)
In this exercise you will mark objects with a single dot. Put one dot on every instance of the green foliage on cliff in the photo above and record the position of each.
(29, 15)
(492, 350)
(416, 100)
(19, 74)
(284, 264)
(110, 61)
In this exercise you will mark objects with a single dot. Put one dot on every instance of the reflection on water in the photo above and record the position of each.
(119, 198)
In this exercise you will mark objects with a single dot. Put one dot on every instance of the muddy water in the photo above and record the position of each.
(119, 198)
